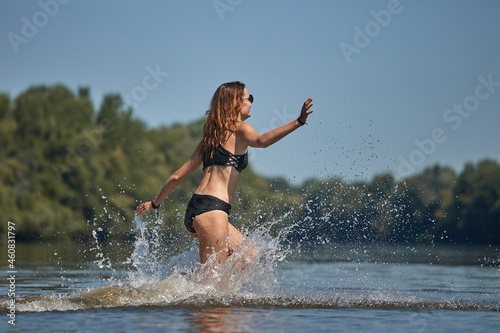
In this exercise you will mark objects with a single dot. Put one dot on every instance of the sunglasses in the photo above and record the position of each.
(250, 98)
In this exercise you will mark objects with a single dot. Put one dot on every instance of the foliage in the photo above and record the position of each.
(69, 171)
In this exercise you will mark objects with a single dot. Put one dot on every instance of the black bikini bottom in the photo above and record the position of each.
(200, 204)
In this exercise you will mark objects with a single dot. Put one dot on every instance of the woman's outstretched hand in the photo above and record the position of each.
(305, 112)
(143, 208)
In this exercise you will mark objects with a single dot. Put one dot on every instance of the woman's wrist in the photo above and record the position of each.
(154, 205)
(301, 123)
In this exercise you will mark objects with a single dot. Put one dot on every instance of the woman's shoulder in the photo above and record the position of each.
(241, 127)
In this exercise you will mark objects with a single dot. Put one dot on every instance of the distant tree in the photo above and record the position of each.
(474, 215)
(68, 171)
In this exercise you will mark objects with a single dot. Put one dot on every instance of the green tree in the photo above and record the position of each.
(475, 211)
(68, 171)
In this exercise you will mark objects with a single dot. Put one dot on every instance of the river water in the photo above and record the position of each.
(322, 288)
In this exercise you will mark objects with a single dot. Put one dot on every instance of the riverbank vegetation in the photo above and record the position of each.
(68, 171)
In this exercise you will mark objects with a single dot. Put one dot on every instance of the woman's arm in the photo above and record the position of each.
(172, 182)
(257, 140)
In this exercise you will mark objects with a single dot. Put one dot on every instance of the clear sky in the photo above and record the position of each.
(397, 85)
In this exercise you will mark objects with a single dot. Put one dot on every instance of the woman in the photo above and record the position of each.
(223, 152)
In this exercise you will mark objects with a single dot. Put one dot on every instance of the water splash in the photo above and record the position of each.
(145, 258)
(155, 279)
(102, 261)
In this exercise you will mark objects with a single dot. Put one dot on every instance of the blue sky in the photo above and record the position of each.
(397, 85)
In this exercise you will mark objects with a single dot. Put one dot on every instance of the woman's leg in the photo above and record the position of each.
(216, 235)
(248, 253)
(235, 238)
(219, 238)
(212, 229)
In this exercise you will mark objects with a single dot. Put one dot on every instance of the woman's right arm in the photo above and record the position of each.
(172, 182)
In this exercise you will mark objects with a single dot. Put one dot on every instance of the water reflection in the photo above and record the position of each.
(85, 255)
(448, 255)
(220, 320)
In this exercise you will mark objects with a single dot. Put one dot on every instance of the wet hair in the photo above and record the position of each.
(221, 117)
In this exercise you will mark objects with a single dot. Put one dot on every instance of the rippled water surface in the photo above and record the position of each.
(345, 288)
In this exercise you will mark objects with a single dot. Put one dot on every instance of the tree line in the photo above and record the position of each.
(71, 172)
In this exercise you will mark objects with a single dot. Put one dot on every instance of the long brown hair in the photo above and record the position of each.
(221, 117)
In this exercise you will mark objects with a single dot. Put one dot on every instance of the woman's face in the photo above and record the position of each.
(245, 108)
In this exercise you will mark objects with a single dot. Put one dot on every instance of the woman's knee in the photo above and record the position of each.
(235, 237)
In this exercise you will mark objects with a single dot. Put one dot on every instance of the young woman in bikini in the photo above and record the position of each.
(223, 151)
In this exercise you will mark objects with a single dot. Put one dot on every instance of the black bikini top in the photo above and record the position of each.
(223, 157)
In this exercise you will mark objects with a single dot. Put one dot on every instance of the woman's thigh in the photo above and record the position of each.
(216, 235)
(212, 229)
